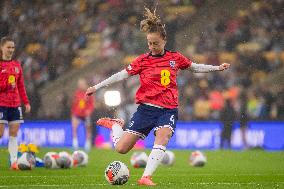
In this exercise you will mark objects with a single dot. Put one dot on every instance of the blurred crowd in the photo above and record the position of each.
(251, 40)
(49, 35)
(254, 38)
(46, 35)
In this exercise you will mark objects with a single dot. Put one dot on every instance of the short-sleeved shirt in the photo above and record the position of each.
(158, 77)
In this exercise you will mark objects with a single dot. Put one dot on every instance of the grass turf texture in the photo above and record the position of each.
(224, 169)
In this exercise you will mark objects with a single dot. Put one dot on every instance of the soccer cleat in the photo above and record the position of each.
(14, 166)
(146, 180)
(108, 122)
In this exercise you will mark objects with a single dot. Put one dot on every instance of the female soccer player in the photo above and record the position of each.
(157, 95)
(12, 93)
(82, 110)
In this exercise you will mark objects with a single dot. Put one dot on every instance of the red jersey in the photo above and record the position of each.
(81, 106)
(12, 88)
(158, 75)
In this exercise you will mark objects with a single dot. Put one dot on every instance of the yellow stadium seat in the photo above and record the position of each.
(270, 56)
(250, 46)
(180, 10)
(258, 76)
(78, 62)
(282, 57)
(82, 5)
(227, 57)
(33, 48)
(129, 59)
(200, 58)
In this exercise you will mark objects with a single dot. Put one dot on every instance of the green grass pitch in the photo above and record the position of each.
(224, 169)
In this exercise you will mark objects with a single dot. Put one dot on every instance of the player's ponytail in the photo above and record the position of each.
(152, 23)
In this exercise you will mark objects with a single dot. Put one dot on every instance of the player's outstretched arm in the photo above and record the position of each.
(112, 79)
(203, 68)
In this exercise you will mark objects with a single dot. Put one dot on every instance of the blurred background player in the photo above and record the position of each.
(157, 95)
(12, 93)
(243, 118)
(227, 116)
(82, 109)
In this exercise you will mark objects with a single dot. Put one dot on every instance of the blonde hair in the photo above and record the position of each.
(152, 23)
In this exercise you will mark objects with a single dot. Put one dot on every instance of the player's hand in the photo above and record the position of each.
(27, 108)
(90, 91)
(224, 66)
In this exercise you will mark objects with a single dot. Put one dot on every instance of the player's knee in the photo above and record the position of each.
(121, 149)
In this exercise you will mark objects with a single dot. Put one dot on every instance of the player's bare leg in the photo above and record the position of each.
(75, 123)
(126, 143)
(162, 138)
(123, 141)
(2, 127)
(88, 142)
(13, 144)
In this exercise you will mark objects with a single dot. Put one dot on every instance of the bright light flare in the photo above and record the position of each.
(112, 98)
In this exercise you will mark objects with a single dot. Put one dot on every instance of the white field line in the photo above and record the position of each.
(44, 176)
(180, 174)
(51, 185)
(190, 183)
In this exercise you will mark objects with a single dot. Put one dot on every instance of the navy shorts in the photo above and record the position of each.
(11, 115)
(148, 117)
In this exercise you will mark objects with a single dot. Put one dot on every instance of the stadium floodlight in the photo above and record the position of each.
(112, 98)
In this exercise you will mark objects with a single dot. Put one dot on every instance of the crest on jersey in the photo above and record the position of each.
(129, 67)
(172, 63)
(17, 70)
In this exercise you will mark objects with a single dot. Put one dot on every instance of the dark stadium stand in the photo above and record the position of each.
(58, 42)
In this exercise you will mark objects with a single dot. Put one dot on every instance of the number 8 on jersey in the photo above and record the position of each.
(165, 77)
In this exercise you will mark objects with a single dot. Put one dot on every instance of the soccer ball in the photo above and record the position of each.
(80, 158)
(139, 159)
(65, 160)
(117, 173)
(50, 160)
(169, 158)
(197, 159)
(26, 161)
